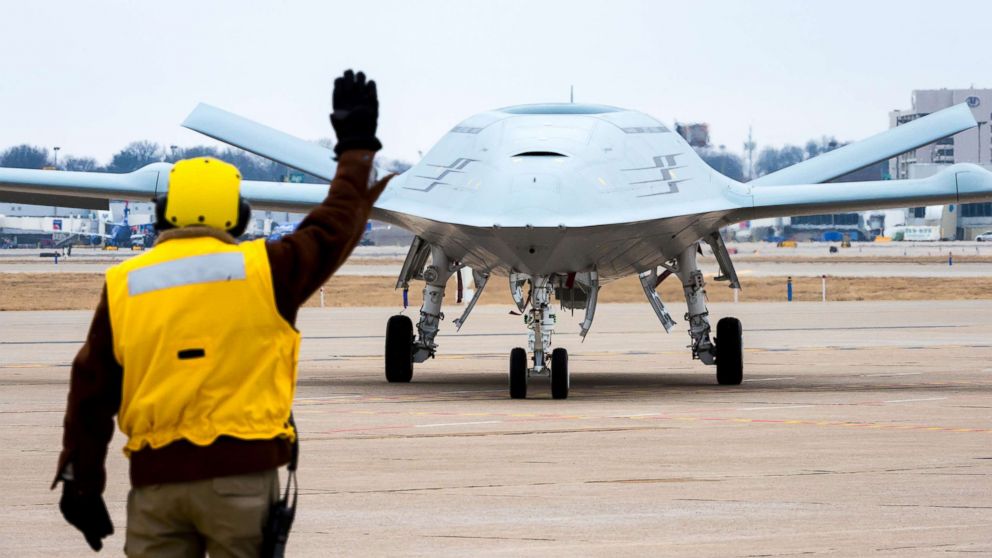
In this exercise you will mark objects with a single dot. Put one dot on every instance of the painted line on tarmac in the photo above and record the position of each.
(41, 342)
(774, 408)
(441, 424)
(914, 400)
(888, 375)
(516, 418)
(620, 391)
(855, 328)
(770, 379)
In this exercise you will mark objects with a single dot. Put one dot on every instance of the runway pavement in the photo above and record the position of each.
(861, 429)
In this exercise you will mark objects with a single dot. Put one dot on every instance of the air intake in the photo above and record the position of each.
(540, 154)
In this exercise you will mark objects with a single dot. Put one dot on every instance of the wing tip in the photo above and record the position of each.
(201, 109)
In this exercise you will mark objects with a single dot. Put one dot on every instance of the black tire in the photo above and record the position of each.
(518, 373)
(729, 352)
(560, 381)
(399, 349)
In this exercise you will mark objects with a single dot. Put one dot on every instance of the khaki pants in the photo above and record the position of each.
(222, 516)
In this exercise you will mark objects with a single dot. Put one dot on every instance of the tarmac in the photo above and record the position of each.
(744, 269)
(861, 429)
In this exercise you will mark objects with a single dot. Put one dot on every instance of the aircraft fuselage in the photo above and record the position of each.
(543, 189)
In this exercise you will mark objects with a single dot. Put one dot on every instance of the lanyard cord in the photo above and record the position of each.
(294, 458)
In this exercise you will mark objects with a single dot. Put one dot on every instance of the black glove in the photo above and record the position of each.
(88, 513)
(356, 113)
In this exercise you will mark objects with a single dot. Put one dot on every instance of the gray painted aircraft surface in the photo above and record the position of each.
(560, 199)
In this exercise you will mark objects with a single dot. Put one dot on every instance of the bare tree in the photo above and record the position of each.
(136, 155)
(726, 163)
(80, 164)
(24, 157)
(771, 159)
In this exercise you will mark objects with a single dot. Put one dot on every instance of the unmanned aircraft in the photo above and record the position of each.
(560, 199)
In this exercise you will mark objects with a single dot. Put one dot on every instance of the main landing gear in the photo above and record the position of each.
(729, 352)
(726, 350)
(403, 348)
(399, 349)
(406, 346)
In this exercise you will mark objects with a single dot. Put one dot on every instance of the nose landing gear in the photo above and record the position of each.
(541, 322)
(520, 374)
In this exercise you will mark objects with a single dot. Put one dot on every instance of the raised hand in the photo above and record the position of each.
(356, 113)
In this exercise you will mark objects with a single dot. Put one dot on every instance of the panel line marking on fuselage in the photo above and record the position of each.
(660, 162)
(454, 168)
(665, 164)
(646, 130)
(672, 188)
(666, 176)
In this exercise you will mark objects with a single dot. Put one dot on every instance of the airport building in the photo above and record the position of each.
(962, 222)
(969, 146)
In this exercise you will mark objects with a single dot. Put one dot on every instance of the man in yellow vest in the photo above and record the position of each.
(193, 347)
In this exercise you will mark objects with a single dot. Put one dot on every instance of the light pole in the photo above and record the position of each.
(979, 161)
(56, 149)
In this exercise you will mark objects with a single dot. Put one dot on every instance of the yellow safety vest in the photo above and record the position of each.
(204, 349)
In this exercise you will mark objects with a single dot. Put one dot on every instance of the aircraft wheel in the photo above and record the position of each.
(560, 380)
(518, 373)
(399, 349)
(729, 352)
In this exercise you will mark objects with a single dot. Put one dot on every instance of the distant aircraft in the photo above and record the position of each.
(559, 198)
(282, 230)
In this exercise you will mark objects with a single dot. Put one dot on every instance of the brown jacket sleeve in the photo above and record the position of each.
(303, 261)
(94, 399)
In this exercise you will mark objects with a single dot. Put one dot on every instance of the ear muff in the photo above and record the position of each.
(161, 223)
(244, 216)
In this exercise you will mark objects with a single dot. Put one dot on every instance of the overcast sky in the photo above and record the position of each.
(92, 76)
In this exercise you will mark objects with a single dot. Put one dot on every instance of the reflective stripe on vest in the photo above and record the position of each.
(187, 271)
(204, 349)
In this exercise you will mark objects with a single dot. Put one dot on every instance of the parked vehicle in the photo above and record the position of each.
(984, 237)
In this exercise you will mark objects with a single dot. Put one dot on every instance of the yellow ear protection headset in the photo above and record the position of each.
(203, 191)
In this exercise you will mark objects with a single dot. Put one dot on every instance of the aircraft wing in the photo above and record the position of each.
(960, 183)
(94, 190)
(262, 140)
(91, 190)
(87, 190)
(275, 145)
(877, 148)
